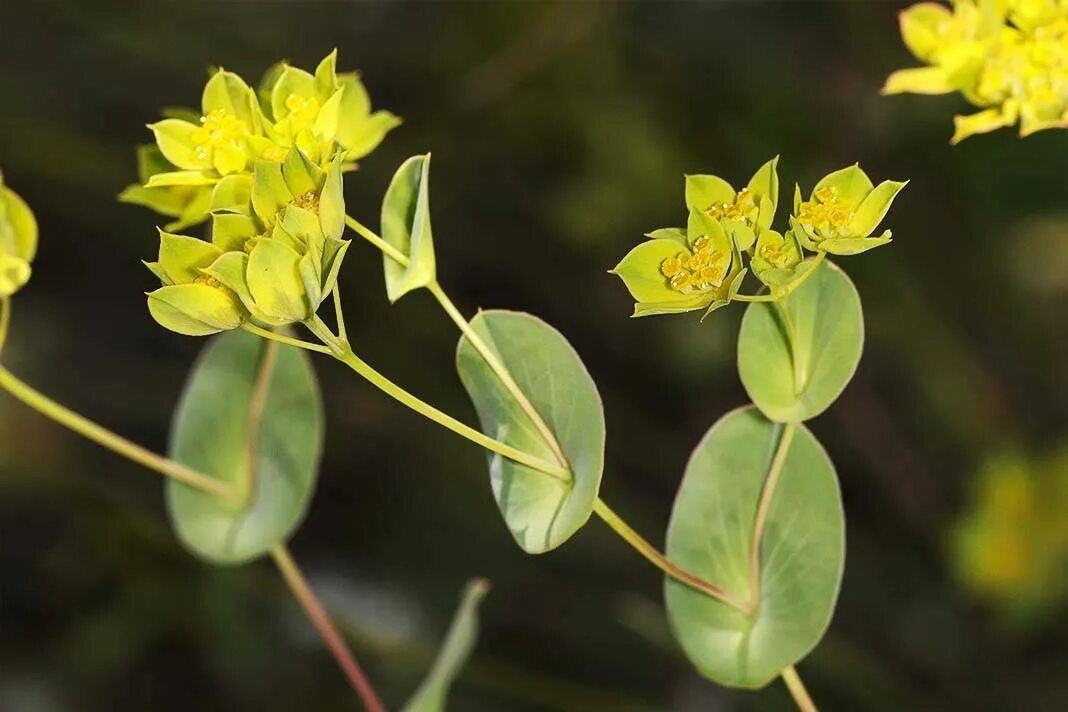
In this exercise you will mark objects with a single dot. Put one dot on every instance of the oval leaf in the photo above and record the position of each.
(541, 511)
(802, 550)
(796, 356)
(459, 643)
(216, 421)
(406, 226)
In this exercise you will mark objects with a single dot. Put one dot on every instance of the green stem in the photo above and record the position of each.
(342, 351)
(797, 690)
(339, 316)
(321, 620)
(500, 370)
(283, 339)
(101, 436)
(657, 559)
(763, 507)
(372, 237)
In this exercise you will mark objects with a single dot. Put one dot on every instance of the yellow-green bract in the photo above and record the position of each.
(18, 240)
(274, 263)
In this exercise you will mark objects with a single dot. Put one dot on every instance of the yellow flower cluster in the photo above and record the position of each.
(700, 270)
(1008, 56)
(744, 207)
(780, 256)
(220, 128)
(826, 214)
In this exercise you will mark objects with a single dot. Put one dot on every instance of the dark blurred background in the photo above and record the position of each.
(560, 132)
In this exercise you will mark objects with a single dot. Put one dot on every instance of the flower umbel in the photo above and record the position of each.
(704, 265)
(203, 160)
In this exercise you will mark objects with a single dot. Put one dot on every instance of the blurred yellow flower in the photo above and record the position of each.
(1011, 547)
(1009, 57)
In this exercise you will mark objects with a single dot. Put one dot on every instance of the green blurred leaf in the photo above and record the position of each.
(459, 643)
(802, 550)
(796, 356)
(406, 226)
(211, 433)
(541, 511)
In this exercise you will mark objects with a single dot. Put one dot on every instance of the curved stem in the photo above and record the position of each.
(797, 690)
(342, 351)
(465, 328)
(657, 559)
(101, 436)
(763, 507)
(283, 339)
(500, 370)
(321, 620)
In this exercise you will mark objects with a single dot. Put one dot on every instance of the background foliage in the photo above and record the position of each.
(560, 133)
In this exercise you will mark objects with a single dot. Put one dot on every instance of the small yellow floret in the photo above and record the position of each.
(218, 128)
(671, 266)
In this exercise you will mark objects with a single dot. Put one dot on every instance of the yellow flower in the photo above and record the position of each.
(1009, 58)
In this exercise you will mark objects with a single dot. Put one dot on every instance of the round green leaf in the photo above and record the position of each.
(802, 550)
(211, 433)
(796, 356)
(542, 512)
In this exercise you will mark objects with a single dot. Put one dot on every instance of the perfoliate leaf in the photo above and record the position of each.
(542, 512)
(217, 432)
(406, 226)
(796, 356)
(801, 553)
